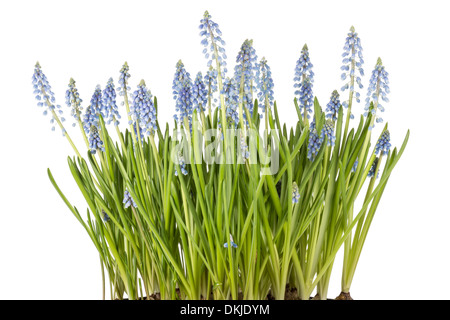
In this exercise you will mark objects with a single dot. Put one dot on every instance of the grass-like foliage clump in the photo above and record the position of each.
(232, 204)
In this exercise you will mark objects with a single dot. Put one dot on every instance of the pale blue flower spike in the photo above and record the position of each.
(333, 106)
(212, 37)
(73, 101)
(91, 123)
(378, 86)
(244, 72)
(295, 193)
(109, 103)
(328, 131)
(128, 200)
(234, 245)
(199, 94)
(355, 165)
(264, 83)
(383, 143)
(314, 144)
(303, 80)
(244, 149)
(210, 81)
(372, 169)
(230, 91)
(182, 165)
(182, 94)
(352, 64)
(44, 94)
(105, 218)
(123, 79)
(143, 110)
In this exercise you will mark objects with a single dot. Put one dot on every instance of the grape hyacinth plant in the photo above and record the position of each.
(226, 202)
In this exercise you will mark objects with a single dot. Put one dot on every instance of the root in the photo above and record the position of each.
(344, 296)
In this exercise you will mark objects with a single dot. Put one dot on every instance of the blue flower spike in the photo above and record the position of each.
(73, 101)
(378, 87)
(231, 97)
(355, 165)
(90, 118)
(245, 154)
(303, 80)
(45, 96)
(109, 103)
(333, 106)
(128, 200)
(199, 94)
(91, 121)
(328, 131)
(264, 83)
(213, 43)
(383, 144)
(295, 193)
(352, 67)
(142, 110)
(95, 143)
(182, 165)
(123, 89)
(105, 217)
(234, 245)
(306, 98)
(244, 74)
(182, 94)
(123, 80)
(210, 81)
(373, 168)
(314, 144)
(180, 76)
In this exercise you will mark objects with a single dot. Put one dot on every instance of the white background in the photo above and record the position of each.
(45, 253)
